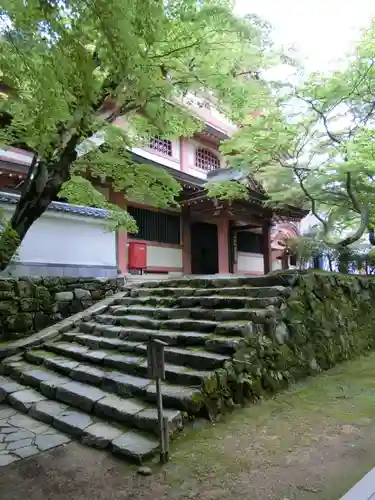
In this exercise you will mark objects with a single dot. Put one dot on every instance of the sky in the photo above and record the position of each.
(322, 31)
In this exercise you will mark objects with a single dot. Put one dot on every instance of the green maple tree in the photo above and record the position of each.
(70, 68)
(315, 147)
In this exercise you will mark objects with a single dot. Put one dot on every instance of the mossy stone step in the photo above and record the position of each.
(208, 308)
(197, 358)
(218, 303)
(142, 295)
(132, 334)
(268, 280)
(96, 342)
(137, 366)
(188, 399)
(90, 399)
(220, 345)
(90, 430)
(223, 345)
(154, 312)
(153, 324)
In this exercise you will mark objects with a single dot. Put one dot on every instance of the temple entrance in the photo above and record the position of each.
(204, 248)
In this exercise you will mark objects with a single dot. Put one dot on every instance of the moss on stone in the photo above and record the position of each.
(328, 318)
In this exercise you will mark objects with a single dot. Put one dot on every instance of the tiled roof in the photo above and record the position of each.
(57, 206)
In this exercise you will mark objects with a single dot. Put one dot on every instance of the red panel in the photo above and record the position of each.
(137, 255)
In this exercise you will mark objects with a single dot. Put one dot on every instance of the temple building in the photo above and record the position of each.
(201, 236)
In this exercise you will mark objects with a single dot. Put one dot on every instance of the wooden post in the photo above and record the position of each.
(267, 253)
(156, 371)
(223, 245)
(186, 239)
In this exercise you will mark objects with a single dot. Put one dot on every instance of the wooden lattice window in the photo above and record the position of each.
(206, 160)
(156, 226)
(163, 146)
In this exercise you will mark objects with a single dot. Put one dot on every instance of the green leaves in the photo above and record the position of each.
(315, 146)
(227, 190)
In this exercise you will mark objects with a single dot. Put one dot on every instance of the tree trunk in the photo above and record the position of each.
(43, 184)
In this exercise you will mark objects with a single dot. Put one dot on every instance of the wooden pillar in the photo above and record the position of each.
(121, 237)
(223, 245)
(186, 239)
(267, 253)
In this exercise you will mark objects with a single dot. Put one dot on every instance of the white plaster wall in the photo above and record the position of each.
(63, 238)
(164, 257)
(250, 262)
(15, 155)
(276, 264)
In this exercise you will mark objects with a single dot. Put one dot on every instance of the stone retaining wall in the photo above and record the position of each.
(323, 319)
(28, 305)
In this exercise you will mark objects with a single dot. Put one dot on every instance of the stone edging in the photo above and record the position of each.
(53, 331)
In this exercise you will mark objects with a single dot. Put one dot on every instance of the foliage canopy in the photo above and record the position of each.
(76, 69)
(316, 147)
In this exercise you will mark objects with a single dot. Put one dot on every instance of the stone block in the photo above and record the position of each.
(6, 285)
(27, 451)
(117, 408)
(124, 384)
(42, 294)
(100, 435)
(48, 441)
(72, 422)
(41, 320)
(20, 435)
(46, 411)
(7, 459)
(97, 294)
(9, 308)
(64, 296)
(148, 420)
(21, 322)
(89, 374)
(14, 445)
(8, 386)
(6, 412)
(79, 395)
(28, 305)
(135, 446)
(23, 400)
(81, 293)
(75, 306)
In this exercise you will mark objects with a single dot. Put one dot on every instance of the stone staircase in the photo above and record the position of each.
(92, 382)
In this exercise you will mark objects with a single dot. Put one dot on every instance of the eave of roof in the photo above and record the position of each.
(57, 206)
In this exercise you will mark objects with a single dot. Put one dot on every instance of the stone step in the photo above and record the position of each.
(205, 308)
(179, 397)
(133, 365)
(197, 358)
(236, 291)
(132, 411)
(218, 344)
(90, 430)
(188, 399)
(269, 280)
(230, 324)
(143, 335)
(205, 326)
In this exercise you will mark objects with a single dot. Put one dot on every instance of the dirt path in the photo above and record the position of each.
(313, 442)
